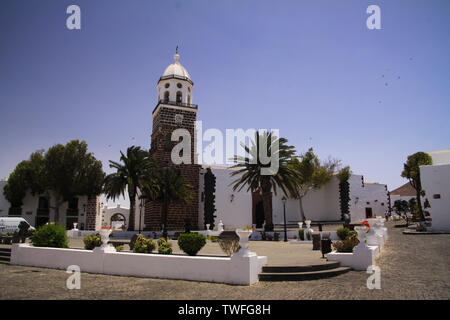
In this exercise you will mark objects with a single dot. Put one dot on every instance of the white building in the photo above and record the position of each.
(435, 181)
(38, 210)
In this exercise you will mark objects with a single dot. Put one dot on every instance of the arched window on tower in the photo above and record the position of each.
(179, 96)
(189, 99)
(166, 96)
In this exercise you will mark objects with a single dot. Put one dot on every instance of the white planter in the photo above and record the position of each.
(104, 235)
(362, 230)
(220, 226)
(243, 242)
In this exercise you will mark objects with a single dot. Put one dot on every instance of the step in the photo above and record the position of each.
(308, 268)
(5, 254)
(5, 249)
(4, 259)
(299, 276)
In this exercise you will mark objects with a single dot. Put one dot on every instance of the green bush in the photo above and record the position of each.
(308, 236)
(191, 243)
(346, 245)
(50, 235)
(91, 241)
(213, 238)
(343, 233)
(143, 245)
(119, 247)
(353, 234)
(301, 234)
(164, 247)
(162, 241)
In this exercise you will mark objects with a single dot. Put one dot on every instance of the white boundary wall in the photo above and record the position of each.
(241, 270)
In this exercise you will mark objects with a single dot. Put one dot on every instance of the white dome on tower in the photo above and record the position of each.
(176, 69)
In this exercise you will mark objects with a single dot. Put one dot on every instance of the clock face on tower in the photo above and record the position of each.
(178, 118)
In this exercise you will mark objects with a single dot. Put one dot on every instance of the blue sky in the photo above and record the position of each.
(309, 68)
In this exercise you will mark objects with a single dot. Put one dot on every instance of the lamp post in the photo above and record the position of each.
(165, 205)
(142, 198)
(284, 214)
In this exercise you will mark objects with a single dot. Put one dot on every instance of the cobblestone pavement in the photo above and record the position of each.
(412, 267)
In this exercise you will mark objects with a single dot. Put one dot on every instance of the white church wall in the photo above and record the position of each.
(235, 212)
(436, 183)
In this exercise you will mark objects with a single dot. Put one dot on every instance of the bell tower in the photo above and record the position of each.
(174, 110)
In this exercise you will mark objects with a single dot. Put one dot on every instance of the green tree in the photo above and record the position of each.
(411, 171)
(252, 170)
(312, 175)
(71, 171)
(344, 190)
(401, 207)
(135, 171)
(28, 175)
(61, 173)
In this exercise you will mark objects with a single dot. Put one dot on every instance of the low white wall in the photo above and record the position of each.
(242, 270)
(358, 259)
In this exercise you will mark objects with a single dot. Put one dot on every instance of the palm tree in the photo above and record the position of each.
(136, 171)
(252, 170)
(170, 187)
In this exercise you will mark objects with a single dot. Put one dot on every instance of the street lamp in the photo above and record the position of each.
(166, 202)
(142, 205)
(284, 214)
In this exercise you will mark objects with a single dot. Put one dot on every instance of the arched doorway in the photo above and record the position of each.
(118, 221)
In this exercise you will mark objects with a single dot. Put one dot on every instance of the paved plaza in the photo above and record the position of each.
(412, 267)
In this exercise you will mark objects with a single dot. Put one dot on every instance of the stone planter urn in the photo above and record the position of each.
(220, 226)
(362, 231)
(300, 225)
(308, 229)
(75, 225)
(243, 242)
(207, 226)
(104, 235)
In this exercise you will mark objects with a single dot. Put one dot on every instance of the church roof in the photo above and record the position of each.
(176, 70)
(405, 190)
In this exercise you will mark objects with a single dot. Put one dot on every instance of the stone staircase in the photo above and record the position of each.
(300, 273)
(5, 255)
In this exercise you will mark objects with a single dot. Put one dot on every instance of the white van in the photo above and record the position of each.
(11, 224)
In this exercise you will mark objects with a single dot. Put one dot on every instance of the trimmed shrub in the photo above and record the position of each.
(164, 247)
(343, 233)
(91, 241)
(308, 236)
(143, 245)
(161, 241)
(191, 243)
(119, 247)
(50, 235)
(213, 238)
(301, 234)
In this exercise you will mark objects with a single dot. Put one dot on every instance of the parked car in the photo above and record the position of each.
(11, 224)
